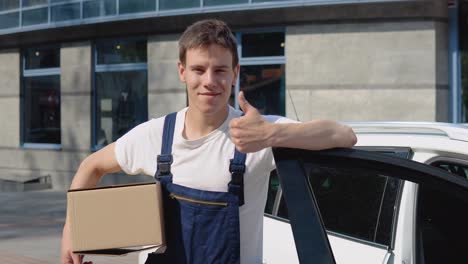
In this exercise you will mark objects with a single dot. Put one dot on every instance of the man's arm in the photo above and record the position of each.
(88, 175)
(252, 132)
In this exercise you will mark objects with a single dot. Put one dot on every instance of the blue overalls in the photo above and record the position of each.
(201, 226)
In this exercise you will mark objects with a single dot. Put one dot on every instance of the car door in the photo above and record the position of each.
(356, 235)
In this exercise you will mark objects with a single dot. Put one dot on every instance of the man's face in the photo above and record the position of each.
(209, 76)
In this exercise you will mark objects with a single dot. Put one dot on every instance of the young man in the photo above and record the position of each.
(206, 135)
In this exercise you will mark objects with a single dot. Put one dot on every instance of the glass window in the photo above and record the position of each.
(8, 4)
(273, 188)
(135, 6)
(121, 103)
(9, 20)
(99, 8)
(121, 89)
(355, 202)
(264, 87)
(261, 1)
(28, 3)
(263, 44)
(452, 167)
(176, 4)
(121, 51)
(41, 96)
(35, 16)
(225, 2)
(65, 12)
(42, 109)
(36, 58)
(351, 200)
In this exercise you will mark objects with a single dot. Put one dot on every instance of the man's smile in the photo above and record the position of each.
(209, 94)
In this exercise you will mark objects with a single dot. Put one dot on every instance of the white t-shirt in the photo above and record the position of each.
(204, 164)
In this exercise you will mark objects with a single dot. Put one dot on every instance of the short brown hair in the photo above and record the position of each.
(207, 32)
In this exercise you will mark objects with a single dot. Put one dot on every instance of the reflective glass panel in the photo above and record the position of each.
(135, 6)
(98, 8)
(9, 20)
(8, 4)
(37, 58)
(263, 44)
(225, 2)
(464, 84)
(122, 103)
(35, 16)
(121, 51)
(176, 4)
(354, 201)
(28, 3)
(42, 109)
(261, 1)
(65, 12)
(264, 87)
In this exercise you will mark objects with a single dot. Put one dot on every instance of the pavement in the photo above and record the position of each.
(31, 229)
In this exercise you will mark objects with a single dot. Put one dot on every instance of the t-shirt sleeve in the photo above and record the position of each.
(269, 152)
(133, 150)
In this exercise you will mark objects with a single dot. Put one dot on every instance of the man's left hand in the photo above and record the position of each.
(250, 133)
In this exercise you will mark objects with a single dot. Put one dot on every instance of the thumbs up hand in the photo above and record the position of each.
(250, 133)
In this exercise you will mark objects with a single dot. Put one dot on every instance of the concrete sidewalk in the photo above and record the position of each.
(31, 229)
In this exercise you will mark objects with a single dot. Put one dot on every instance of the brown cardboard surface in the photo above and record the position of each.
(116, 219)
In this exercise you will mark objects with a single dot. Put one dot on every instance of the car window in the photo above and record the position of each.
(273, 188)
(441, 227)
(453, 167)
(307, 176)
(353, 201)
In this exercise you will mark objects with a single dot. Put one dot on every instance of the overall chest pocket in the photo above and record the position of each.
(210, 229)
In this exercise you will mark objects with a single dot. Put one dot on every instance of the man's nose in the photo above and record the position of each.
(209, 79)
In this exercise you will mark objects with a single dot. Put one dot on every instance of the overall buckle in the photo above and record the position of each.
(164, 165)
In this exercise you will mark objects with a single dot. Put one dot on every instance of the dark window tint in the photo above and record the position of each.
(37, 58)
(441, 227)
(8, 4)
(350, 199)
(264, 87)
(65, 12)
(224, 2)
(28, 3)
(35, 16)
(261, 1)
(454, 168)
(273, 188)
(121, 103)
(98, 8)
(135, 6)
(177, 4)
(263, 44)
(9, 20)
(42, 109)
(355, 202)
(116, 52)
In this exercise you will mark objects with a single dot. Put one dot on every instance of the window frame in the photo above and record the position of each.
(257, 61)
(100, 68)
(25, 73)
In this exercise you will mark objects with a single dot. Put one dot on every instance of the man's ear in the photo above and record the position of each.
(181, 70)
(236, 74)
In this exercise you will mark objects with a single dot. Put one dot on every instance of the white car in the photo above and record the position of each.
(408, 203)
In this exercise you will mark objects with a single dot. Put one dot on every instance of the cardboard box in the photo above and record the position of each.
(116, 220)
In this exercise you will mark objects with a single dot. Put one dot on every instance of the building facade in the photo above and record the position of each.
(76, 75)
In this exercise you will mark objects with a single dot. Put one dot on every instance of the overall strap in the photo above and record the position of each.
(237, 169)
(164, 160)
